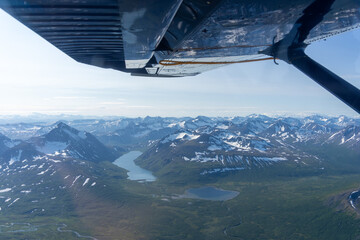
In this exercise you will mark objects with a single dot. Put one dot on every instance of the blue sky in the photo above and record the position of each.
(37, 77)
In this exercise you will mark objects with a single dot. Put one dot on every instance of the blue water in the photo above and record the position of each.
(135, 172)
(210, 193)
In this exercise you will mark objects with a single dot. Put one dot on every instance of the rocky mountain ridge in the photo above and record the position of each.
(62, 140)
(245, 142)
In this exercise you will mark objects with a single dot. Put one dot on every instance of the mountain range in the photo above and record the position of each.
(55, 173)
(215, 143)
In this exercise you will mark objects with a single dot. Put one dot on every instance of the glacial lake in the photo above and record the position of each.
(209, 193)
(135, 172)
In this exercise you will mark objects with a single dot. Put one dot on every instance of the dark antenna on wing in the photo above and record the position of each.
(274, 53)
(291, 49)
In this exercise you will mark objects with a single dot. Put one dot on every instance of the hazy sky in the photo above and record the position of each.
(37, 77)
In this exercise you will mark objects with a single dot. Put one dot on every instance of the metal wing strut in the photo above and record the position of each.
(291, 50)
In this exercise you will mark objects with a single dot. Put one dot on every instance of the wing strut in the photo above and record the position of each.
(291, 50)
(343, 90)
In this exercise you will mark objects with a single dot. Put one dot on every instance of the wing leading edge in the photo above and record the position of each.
(140, 36)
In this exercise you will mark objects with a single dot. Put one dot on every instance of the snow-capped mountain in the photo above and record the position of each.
(348, 136)
(141, 132)
(63, 141)
(280, 129)
(201, 139)
(222, 148)
(68, 141)
(256, 141)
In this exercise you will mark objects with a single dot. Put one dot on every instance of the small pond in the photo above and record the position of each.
(209, 193)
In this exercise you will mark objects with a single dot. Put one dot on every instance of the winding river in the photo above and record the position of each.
(28, 227)
(60, 229)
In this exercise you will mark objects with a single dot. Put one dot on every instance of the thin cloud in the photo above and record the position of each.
(140, 106)
(71, 97)
(112, 103)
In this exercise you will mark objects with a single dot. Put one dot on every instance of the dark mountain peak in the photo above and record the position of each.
(203, 118)
(349, 136)
(237, 120)
(259, 116)
(73, 143)
(61, 125)
(316, 127)
(295, 122)
(3, 137)
(281, 122)
(64, 126)
(64, 133)
(5, 143)
(199, 121)
(351, 129)
(149, 119)
(253, 125)
(278, 127)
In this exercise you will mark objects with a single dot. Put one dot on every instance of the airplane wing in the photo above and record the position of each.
(171, 38)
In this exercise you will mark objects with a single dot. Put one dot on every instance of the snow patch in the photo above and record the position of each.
(15, 159)
(52, 147)
(14, 202)
(76, 178)
(202, 157)
(224, 127)
(5, 190)
(214, 148)
(239, 146)
(82, 134)
(23, 166)
(221, 170)
(41, 173)
(183, 136)
(55, 161)
(271, 159)
(86, 181)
